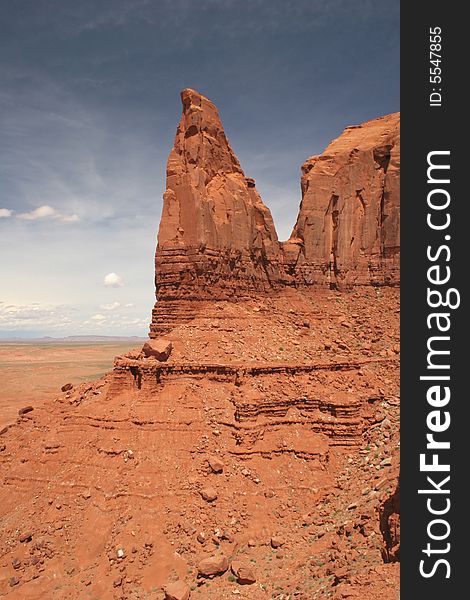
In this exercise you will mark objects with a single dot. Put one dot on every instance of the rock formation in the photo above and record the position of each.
(217, 240)
(265, 428)
(347, 231)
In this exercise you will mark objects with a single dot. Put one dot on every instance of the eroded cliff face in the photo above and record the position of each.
(217, 239)
(347, 231)
(214, 223)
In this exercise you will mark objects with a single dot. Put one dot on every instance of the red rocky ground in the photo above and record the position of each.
(108, 491)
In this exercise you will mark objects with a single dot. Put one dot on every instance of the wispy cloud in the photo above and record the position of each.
(18, 316)
(98, 317)
(111, 306)
(107, 323)
(43, 212)
(66, 319)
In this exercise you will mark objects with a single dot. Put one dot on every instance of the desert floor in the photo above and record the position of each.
(32, 372)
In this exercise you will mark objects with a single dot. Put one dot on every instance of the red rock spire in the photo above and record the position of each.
(216, 239)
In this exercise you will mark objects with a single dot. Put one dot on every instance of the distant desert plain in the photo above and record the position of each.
(32, 371)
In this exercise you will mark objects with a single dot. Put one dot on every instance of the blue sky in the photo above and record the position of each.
(89, 103)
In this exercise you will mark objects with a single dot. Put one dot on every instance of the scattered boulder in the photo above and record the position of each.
(216, 464)
(179, 590)
(25, 409)
(26, 536)
(212, 566)
(276, 541)
(201, 537)
(243, 572)
(159, 349)
(209, 494)
(380, 485)
(67, 387)
(340, 575)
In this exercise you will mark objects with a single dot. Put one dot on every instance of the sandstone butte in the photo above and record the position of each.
(252, 446)
(217, 240)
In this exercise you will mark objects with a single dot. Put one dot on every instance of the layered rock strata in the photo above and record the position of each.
(265, 405)
(105, 491)
(217, 239)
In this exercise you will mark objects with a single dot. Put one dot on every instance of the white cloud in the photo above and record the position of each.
(98, 317)
(46, 212)
(113, 280)
(66, 319)
(42, 212)
(111, 306)
(5, 212)
(129, 305)
(18, 316)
